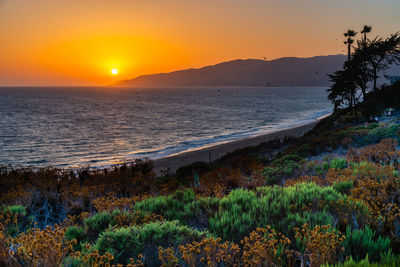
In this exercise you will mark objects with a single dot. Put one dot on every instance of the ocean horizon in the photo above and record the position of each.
(101, 126)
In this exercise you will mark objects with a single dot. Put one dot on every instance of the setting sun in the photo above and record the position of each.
(114, 71)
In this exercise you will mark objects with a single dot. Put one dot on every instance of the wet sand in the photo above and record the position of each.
(212, 153)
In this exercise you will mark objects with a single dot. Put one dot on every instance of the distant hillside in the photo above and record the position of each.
(288, 71)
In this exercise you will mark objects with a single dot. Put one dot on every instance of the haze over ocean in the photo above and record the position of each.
(67, 127)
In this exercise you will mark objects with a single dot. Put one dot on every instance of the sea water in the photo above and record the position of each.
(101, 126)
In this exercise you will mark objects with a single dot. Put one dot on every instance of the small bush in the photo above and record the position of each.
(362, 242)
(182, 206)
(18, 219)
(98, 223)
(372, 125)
(270, 175)
(284, 159)
(386, 261)
(376, 134)
(126, 243)
(77, 233)
(46, 207)
(304, 150)
(338, 163)
(21, 210)
(237, 215)
(348, 118)
(282, 167)
(280, 207)
(103, 220)
(186, 174)
(343, 187)
(72, 262)
(298, 219)
(320, 244)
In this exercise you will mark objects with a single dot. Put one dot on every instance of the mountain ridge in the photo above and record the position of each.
(285, 71)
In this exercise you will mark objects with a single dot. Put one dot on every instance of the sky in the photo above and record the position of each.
(79, 42)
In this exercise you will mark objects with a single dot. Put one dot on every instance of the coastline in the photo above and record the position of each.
(211, 153)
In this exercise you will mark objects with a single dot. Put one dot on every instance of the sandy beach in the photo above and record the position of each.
(212, 153)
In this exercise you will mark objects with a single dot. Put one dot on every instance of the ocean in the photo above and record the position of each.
(101, 126)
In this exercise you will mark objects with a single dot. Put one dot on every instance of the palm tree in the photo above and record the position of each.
(349, 41)
(366, 29)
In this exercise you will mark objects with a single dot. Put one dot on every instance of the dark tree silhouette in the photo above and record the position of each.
(344, 88)
(380, 54)
(349, 41)
(366, 29)
(369, 60)
(360, 68)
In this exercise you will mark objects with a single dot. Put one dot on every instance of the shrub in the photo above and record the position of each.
(362, 242)
(348, 118)
(72, 262)
(271, 175)
(376, 134)
(284, 159)
(103, 220)
(182, 206)
(210, 252)
(90, 257)
(21, 210)
(125, 243)
(313, 219)
(321, 169)
(280, 207)
(77, 233)
(372, 125)
(343, 187)
(281, 169)
(98, 223)
(304, 150)
(186, 174)
(237, 215)
(47, 247)
(290, 167)
(137, 217)
(338, 163)
(386, 261)
(278, 203)
(368, 170)
(46, 207)
(110, 203)
(384, 153)
(17, 219)
(322, 244)
(264, 247)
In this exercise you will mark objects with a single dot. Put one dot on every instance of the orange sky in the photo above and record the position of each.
(78, 42)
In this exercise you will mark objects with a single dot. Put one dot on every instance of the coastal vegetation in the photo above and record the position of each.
(329, 198)
(358, 80)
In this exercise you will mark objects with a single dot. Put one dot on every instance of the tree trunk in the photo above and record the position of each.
(375, 87)
(355, 106)
(348, 51)
(375, 79)
(364, 92)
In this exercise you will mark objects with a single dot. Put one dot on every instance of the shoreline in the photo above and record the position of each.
(205, 154)
(212, 153)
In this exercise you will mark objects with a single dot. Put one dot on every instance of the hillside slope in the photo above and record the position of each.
(288, 71)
